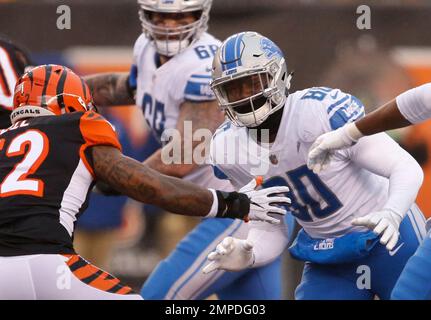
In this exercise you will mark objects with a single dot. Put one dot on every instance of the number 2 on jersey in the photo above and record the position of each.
(34, 145)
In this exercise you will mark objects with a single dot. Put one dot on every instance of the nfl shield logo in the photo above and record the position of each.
(273, 159)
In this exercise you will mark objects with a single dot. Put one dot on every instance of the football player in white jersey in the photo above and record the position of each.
(171, 73)
(344, 259)
(410, 107)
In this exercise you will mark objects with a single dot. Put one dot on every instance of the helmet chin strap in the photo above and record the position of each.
(29, 112)
(254, 118)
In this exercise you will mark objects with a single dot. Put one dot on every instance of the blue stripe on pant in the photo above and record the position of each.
(340, 281)
(180, 275)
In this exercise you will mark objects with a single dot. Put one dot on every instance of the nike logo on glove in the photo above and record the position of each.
(394, 252)
(334, 95)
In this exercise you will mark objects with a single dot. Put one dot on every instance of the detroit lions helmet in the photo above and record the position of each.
(171, 41)
(250, 78)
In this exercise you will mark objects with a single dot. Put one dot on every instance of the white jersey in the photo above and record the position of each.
(324, 204)
(160, 90)
(415, 104)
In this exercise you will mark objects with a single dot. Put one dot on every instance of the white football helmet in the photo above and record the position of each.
(171, 41)
(251, 62)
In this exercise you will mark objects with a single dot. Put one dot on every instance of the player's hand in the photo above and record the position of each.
(384, 223)
(265, 202)
(323, 148)
(232, 255)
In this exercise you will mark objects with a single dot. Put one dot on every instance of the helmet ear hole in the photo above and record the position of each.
(70, 109)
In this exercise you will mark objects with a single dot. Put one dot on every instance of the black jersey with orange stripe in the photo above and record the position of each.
(46, 175)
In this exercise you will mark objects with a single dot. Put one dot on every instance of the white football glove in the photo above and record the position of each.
(384, 223)
(323, 148)
(231, 254)
(265, 201)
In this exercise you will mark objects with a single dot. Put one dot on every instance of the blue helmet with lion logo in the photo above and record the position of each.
(250, 78)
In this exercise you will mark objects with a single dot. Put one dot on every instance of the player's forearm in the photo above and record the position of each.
(404, 183)
(387, 117)
(110, 89)
(412, 106)
(383, 156)
(146, 185)
(141, 183)
(162, 163)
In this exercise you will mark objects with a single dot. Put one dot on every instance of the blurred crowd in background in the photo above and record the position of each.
(322, 44)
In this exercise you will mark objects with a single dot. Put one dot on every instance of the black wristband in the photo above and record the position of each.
(232, 205)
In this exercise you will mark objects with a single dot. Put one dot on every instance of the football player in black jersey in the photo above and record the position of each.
(50, 157)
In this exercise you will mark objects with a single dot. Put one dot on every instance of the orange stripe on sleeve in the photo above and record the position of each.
(72, 259)
(85, 272)
(96, 130)
(124, 290)
(104, 284)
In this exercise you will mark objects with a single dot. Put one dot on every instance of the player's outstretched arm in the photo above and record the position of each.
(141, 183)
(386, 117)
(110, 89)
